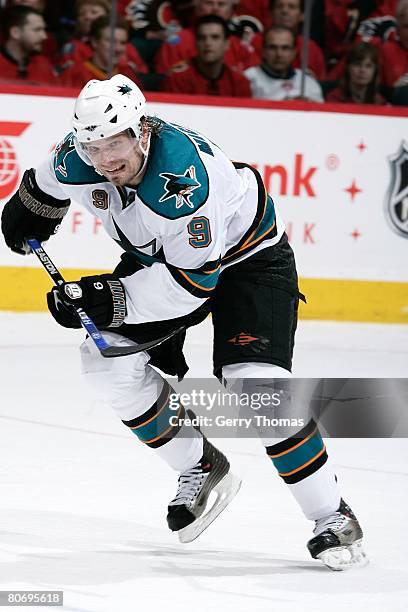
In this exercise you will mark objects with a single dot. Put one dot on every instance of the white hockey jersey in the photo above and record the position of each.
(194, 213)
(265, 86)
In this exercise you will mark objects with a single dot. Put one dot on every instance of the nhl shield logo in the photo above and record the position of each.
(396, 208)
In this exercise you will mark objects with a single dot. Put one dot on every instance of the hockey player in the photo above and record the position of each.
(200, 233)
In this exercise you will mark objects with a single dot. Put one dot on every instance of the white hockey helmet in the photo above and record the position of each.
(106, 108)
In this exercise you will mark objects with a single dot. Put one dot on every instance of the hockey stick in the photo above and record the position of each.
(105, 349)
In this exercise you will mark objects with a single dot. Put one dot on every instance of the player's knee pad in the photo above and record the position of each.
(253, 369)
(278, 404)
(127, 383)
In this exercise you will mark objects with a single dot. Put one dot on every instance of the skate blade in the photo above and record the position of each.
(226, 490)
(344, 557)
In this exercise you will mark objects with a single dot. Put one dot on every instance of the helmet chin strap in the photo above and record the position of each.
(145, 152)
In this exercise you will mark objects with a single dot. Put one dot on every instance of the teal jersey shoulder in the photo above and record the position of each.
(176, 181)
(70, 169)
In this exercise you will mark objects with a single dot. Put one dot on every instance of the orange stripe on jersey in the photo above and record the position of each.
(195, 284)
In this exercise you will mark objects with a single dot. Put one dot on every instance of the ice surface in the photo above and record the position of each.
(83, 503)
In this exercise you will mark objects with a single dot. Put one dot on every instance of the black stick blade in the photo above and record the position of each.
(122, 351)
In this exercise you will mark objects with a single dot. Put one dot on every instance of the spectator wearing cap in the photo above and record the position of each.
(79, 48)
(359, 84)
(97, 67)
(20, 55)
(207, 73)
(276, 78)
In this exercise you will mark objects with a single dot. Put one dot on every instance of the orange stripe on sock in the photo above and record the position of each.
(304, 465)
(155, 415)
(293, 447)
(164, 432)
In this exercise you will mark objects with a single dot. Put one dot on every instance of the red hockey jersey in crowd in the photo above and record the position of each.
(337, 95)
(79, 74)
(255, 8)
(394, 62)
(38, 69)
(78, 51)
(188, 79)
(340, 24)
(184, 48)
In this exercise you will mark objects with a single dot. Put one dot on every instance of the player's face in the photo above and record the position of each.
(118, 157)
(211, 43)
(87, 15)
(287, 13)
(362, 72)
(222, 8)
(102, 46)
(32, 34)
(402, 27)
(279, 51)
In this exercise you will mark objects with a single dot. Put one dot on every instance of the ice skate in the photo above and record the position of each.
(338, 540)
(187, 512)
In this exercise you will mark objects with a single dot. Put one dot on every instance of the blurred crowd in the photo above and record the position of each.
(357, 51)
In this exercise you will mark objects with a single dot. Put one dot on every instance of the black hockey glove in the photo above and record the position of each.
(102, 297)
(31, 213)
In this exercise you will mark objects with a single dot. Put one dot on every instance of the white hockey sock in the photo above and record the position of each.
(318, 495)
(184, 450)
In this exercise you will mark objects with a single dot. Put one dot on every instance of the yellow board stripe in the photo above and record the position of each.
(26, 287)
(327, 299)
(354, 300)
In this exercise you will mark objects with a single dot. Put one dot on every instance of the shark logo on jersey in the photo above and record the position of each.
(396, 208)
(63, 149)
(180, 186)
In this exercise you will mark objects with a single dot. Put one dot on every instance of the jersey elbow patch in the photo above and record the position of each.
(200, 282)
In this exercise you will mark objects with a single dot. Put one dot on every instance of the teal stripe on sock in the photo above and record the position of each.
(297, 457)
(157, 426)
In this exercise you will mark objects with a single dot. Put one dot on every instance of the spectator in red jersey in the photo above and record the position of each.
(20, 55)
(289, 14)
(98, 66)
(359, 84)
(259, 9)
(206, 73)
(183, 47)
(349, 21)
(49, 46)
(153, 19)
(394, 53)
(79, 49)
